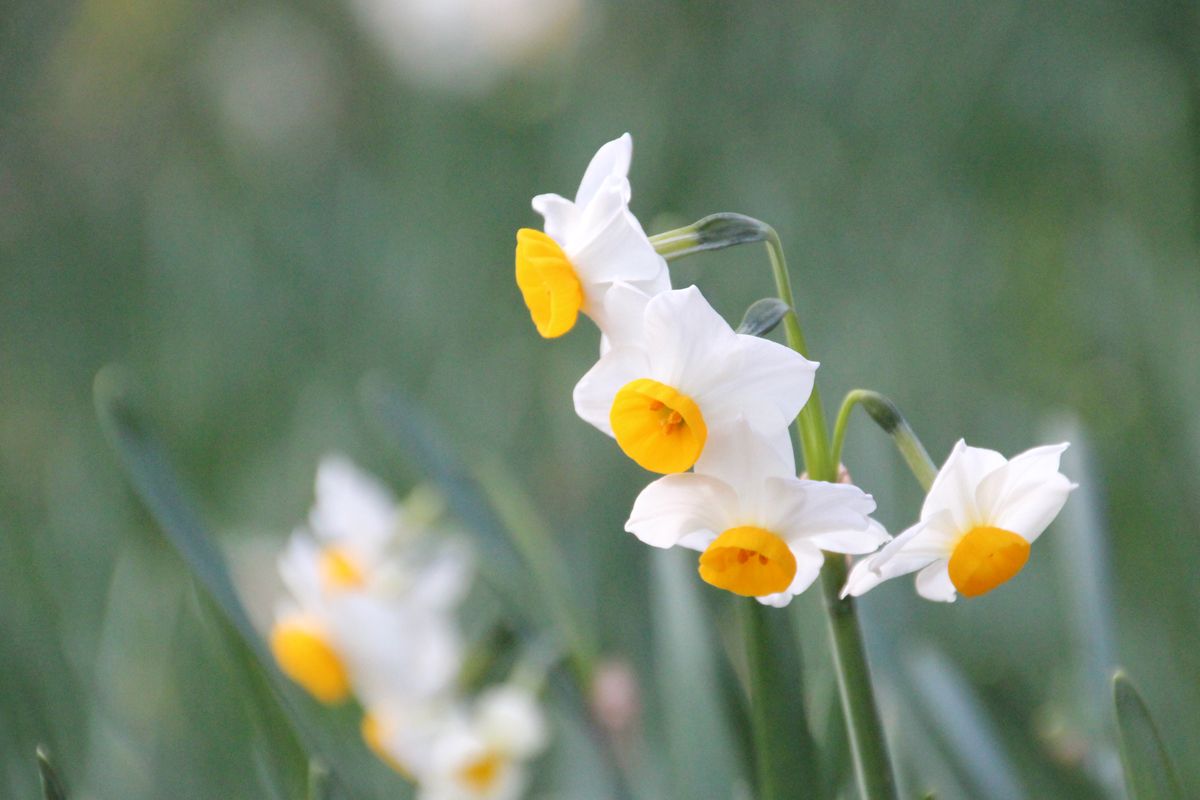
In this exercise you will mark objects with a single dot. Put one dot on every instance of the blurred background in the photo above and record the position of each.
(990, 209)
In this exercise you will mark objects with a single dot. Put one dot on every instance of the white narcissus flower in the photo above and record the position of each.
(587, 245)
(759, 528)
(978, 521)
(482, 755)
(371, 605)
(687, 376)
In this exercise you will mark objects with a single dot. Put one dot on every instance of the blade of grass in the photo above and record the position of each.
(1149, 774)
(52, 787)
(332, 736)
(699, 740)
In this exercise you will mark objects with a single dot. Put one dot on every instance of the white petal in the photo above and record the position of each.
(682, 505)
(1026, 494)
(511, 720)
(608, 244)
(624, 310)
(853, 541)
(352, 506)
(688, 341)
(801, 509)
(912, 550)
(596, 390)
(744, 460)
(933, 583)
(954, 487)
(299, 567)
(764, 381)
(809, 561)
(560, 216)
(611, 161)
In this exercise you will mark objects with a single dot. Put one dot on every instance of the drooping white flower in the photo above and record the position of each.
(759, 528)
(588, 245)
(481, 755)
(686, 376)
(978, 521)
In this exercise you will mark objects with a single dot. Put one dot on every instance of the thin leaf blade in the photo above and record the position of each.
(1149, 774)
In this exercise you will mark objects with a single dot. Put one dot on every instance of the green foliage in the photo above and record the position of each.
(1149, 774)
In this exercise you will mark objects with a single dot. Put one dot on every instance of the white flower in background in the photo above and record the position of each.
(469, 45)
(358, 539)
(371, 604)
(482, 755)
(687, 375)
(978, 521)
(588, 245)
(759, 528)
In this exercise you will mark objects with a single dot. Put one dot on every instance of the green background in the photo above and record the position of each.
(990, 209)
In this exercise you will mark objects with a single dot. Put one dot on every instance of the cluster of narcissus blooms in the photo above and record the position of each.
(371, 614)
(686, 396)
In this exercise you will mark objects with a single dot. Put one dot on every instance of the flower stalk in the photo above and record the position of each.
(887, 416)
(868, 745)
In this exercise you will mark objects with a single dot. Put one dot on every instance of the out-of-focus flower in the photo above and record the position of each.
(761, 529)
(686, 376)
(978, 521)
(370, 605)
(588, 245)
(482, 755)
(469, 45)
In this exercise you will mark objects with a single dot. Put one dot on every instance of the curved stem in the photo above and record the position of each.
(888, 417)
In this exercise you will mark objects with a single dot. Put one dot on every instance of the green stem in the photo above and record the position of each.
(888, 417)
(872, 766)
(868, 746)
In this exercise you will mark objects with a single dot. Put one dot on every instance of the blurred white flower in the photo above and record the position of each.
(686, 375)
(469, 45)
(588, 245)
(371, 604)
(481, 755)
(978, 521)
(761, 529)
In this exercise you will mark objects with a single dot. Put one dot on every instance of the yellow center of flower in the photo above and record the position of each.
(548, 283)
(373, 733)
(339, 570)
(307, 658)
(480, 774)
(748, 561)
(658, 427)
(985, 558)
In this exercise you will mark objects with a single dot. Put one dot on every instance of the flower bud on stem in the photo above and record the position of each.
(888, 417)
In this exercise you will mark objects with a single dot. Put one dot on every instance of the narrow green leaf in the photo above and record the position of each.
(960, 720)
(52, 787)
(785, 753)
(698, 736)
(1148, 771)
(410, 430)
(762, 316)
(333, 736)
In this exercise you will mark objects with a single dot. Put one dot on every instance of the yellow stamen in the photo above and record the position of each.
(748, 561)
(307, 658)
(548, 283)
(985, 558)
(339, 570)
(658, 427)
(373, 734)
(481, 773)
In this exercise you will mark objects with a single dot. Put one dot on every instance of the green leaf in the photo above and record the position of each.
(699, 739)
(762, 316)
(332, 736)
(1148, 771)
(52, 787)
(785, 753)
(500, 561)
